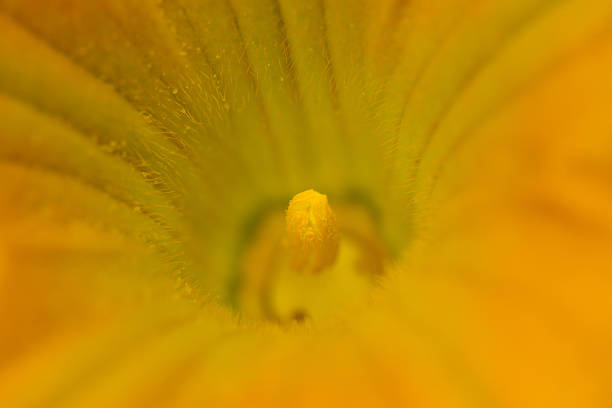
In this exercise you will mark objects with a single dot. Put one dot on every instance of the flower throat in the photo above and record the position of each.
(310, 262)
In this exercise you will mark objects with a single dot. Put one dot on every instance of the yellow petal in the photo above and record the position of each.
(143, 144)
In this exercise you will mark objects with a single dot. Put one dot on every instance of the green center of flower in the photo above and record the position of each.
(310, 262)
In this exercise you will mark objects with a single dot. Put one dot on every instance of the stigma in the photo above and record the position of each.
(312, 232)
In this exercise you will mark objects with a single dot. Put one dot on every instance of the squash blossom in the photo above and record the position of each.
(305, 203)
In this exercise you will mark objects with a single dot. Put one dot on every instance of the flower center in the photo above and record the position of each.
(312, 232)
(311, 261)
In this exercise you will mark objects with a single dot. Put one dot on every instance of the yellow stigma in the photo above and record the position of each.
(312, 232)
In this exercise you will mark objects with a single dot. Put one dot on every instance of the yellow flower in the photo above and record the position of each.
(305, 203)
